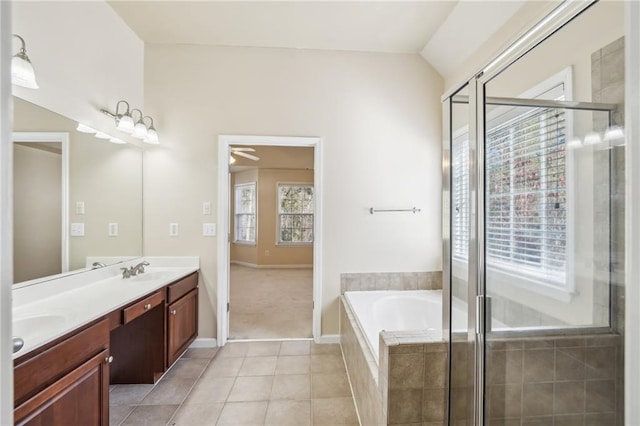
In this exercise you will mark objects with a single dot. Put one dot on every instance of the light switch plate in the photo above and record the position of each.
(209, 229)
(113, 229)
(77, 230)
(206, 208)
(174, 229)
(79, 207)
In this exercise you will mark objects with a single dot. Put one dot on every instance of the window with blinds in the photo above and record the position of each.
(526, 193)
(460, 196)
(245, 213)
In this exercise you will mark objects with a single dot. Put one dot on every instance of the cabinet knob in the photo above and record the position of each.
(109, 359)
(147, 306)
(173, 312)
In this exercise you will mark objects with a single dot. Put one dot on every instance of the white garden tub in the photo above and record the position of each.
(395, 311)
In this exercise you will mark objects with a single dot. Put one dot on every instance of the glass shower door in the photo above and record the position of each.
(552, 213)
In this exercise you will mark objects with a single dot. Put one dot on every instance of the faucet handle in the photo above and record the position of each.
(126, 273)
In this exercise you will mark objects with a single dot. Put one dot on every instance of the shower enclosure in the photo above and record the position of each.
(534, 214)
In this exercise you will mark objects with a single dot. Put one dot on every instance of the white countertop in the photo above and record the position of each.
(42, 317)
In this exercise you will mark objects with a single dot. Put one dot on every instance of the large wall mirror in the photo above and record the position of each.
(76, 198)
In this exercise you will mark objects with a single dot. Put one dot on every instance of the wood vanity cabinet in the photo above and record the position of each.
(182, 316)
(67, 382)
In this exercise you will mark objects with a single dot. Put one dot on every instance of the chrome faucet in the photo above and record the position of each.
(139, 268)
(134, 270)
(97, 265)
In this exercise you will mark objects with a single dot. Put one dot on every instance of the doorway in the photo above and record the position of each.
(269, 209)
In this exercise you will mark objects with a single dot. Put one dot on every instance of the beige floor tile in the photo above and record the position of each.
(327, 364)
(258, 366)
(243, 413)
(295, 347)
(258, 308)
(296, 364)
(128, 394)
(256, 388)
(289, 413)
(333, 411)
(233, 349)
(187, 368)
(197, 414)
(150, 415)
(169, 392)
(325, 349)
(291, 386)
(205, 353)
(223, 367)
(215, 389)
(332, 385)
(117, 413)
(263, 348)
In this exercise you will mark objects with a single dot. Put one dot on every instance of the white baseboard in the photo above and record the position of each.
(204, 342)
(253, 265)
(328, 339)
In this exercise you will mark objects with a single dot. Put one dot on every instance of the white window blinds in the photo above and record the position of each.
(245, 213)
(460, 196)
(526, 191)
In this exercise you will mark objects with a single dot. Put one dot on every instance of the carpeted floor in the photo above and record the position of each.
(270, 303)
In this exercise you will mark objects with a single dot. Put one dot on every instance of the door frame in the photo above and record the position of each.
(224, 234)
(63, 139)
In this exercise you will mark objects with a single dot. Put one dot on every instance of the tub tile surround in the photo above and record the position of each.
(408, 384)
(81, 298)
(368, 281)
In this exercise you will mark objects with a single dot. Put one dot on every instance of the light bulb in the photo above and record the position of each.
(125, 123)
(85, 129)
(140, 130)
(22, 73)
(152, 137)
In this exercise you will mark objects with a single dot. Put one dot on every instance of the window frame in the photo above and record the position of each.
(236, 215)
(279, 214)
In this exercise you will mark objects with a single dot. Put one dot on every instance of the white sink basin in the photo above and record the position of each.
(33, 327)
(154, 275)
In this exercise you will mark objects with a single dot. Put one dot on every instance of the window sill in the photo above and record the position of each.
(294, 244)
(498, 277)
(245, 243)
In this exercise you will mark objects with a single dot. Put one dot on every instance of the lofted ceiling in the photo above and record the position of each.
(444, 31)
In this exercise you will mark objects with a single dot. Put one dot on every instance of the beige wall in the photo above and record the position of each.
(37, 212)
(266, 252)
(107, 177)
(379, 116)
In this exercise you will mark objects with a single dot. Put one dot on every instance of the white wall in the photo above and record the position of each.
(85, 57)
(378, 115)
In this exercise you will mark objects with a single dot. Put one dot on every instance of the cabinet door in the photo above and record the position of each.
(79, 398)
(182, 325)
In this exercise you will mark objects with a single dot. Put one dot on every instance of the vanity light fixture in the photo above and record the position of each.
(118, 141)
(83, 128)
(137, 129)
(152, 135)
(22, 73)
(102, 135)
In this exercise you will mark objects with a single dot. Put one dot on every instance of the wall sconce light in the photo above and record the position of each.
(137, 129)
(22, 73)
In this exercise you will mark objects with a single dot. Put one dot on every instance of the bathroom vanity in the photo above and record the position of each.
(116, 331)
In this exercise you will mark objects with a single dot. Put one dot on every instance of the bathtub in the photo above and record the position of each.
(395, 311)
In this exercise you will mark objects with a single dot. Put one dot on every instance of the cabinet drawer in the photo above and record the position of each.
(45, 368)
(141, 307)
(178, 289)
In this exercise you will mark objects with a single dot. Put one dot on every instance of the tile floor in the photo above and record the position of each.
(259, 383)
(270, 303)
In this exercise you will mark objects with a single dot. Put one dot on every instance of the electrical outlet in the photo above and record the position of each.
(79, 207)
(113, 229)
(206, 208)
(174, 229)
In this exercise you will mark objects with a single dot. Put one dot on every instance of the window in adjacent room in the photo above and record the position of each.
(245, 213)
(295, 214)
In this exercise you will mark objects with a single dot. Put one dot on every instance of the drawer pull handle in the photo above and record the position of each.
(173, 312)
(147, 306)
(108, 359)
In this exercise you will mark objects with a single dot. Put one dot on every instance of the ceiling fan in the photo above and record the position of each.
(242, 152)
